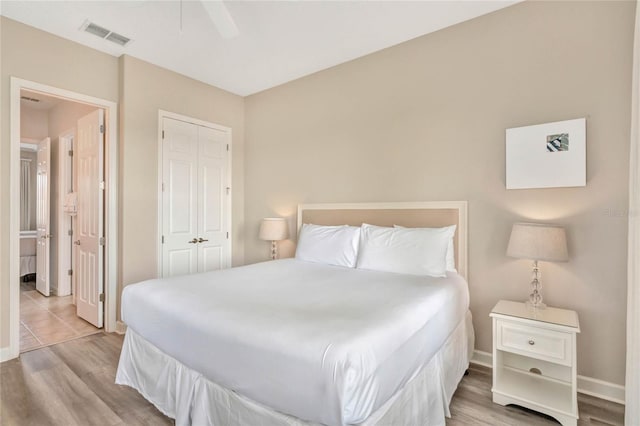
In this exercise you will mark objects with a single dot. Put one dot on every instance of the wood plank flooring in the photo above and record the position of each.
(72, 383)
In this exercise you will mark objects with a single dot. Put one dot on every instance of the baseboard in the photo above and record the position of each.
(5, 354)
(121, 327)
(601, 389)
(586, 385)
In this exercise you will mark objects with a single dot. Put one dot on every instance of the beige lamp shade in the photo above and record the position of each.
(274, 229)
(537, 241)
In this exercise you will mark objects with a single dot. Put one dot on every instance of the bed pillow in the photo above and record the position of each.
(451, 253)
(415, 251)
(332, 245)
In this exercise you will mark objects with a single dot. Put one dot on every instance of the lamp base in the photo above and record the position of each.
(539, 306)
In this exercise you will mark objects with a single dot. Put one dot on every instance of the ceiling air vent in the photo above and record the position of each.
(27, 98)
(104, 33)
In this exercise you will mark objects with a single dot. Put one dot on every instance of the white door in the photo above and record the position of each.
(180, 220)
(212, 199)
(42, 217)
(194, 199)
(89, 230)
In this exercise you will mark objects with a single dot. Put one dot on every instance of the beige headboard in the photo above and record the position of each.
(429, 214)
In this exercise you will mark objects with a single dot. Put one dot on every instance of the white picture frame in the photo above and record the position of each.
(550, 155)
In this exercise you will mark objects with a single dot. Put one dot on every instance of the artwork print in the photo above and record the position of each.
(558, 143)
(550, 155)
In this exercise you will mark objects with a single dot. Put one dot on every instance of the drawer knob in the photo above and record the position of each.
(531, 342)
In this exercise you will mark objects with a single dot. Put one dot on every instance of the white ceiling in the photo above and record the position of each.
(278, 41)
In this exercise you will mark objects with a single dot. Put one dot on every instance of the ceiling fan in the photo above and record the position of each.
(220, 16)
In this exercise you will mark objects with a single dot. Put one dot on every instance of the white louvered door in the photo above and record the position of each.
(89, 230)
(194, 198)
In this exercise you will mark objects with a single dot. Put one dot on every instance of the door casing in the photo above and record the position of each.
(166, 114)
(111, 201)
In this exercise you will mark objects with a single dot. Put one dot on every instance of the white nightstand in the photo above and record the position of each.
(534, 359)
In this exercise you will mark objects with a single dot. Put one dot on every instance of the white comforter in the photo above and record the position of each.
(325, 344)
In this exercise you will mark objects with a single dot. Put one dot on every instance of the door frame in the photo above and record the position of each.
(162, 114)
(111, 207)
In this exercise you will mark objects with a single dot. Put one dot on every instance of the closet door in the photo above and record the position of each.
(195, 198)
(179, 198)
(212, 199)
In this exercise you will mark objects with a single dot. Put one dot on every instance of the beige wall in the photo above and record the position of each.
(145, 89)
(426, 120)
(38, 56)
(33, 123)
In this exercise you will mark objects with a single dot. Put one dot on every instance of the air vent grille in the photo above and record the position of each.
(27, 98)
(118, 39)
(104, 33)
(97, 30)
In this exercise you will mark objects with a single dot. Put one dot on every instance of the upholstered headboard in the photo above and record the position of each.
(429, 214)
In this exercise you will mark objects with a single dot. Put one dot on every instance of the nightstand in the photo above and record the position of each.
(534, 359)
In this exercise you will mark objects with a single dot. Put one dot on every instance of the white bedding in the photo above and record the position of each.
(322, 343)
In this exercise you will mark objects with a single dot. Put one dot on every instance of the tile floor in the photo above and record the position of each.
(48, 320)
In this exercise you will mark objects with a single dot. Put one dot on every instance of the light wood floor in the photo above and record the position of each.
(48, 320)
(72, 383)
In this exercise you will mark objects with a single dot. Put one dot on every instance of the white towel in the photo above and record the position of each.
(71, 203)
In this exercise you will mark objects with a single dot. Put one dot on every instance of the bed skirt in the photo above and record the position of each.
(191, 399)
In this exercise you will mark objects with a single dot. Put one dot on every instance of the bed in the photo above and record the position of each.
(290, 342)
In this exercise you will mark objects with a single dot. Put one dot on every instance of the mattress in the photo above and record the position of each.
(324, 344)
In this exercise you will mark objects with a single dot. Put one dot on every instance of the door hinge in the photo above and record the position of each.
(70, 272)
(227, 235)
(70, 232)
(102, 185)
(70, 153)
(162, 186)
(228, 190)
(102, 241)
(163, 239)
(102, 128)
(163, 134)
(102, 297)
(227, 147)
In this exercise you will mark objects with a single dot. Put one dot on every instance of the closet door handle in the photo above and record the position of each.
(194, 241)
(77, 242)
(201, 240)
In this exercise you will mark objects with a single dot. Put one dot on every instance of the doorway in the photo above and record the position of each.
(68, 288)
(53, 295)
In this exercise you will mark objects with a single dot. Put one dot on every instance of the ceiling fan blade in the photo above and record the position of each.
(221, 18)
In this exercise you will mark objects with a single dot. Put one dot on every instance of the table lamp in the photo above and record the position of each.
(274, 229)
(536, 241)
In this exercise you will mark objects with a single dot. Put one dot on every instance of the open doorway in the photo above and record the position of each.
(102, 293)
(61, 207)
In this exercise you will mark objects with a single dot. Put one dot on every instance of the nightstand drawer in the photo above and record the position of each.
(535, 342)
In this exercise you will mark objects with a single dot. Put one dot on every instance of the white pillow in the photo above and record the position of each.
(415, 251)
(451, 253)
(333, 245)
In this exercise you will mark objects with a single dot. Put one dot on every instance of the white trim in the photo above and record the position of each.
(175, 116)
(586, 385)
(28, 145)
(121, 327)
(111, 214)
(482, 358)
(461, 206)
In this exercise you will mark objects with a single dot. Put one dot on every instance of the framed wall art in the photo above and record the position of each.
(551, 155)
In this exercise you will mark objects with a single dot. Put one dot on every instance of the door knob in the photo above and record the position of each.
(77, 242)
(201, 240)
(194, 241)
